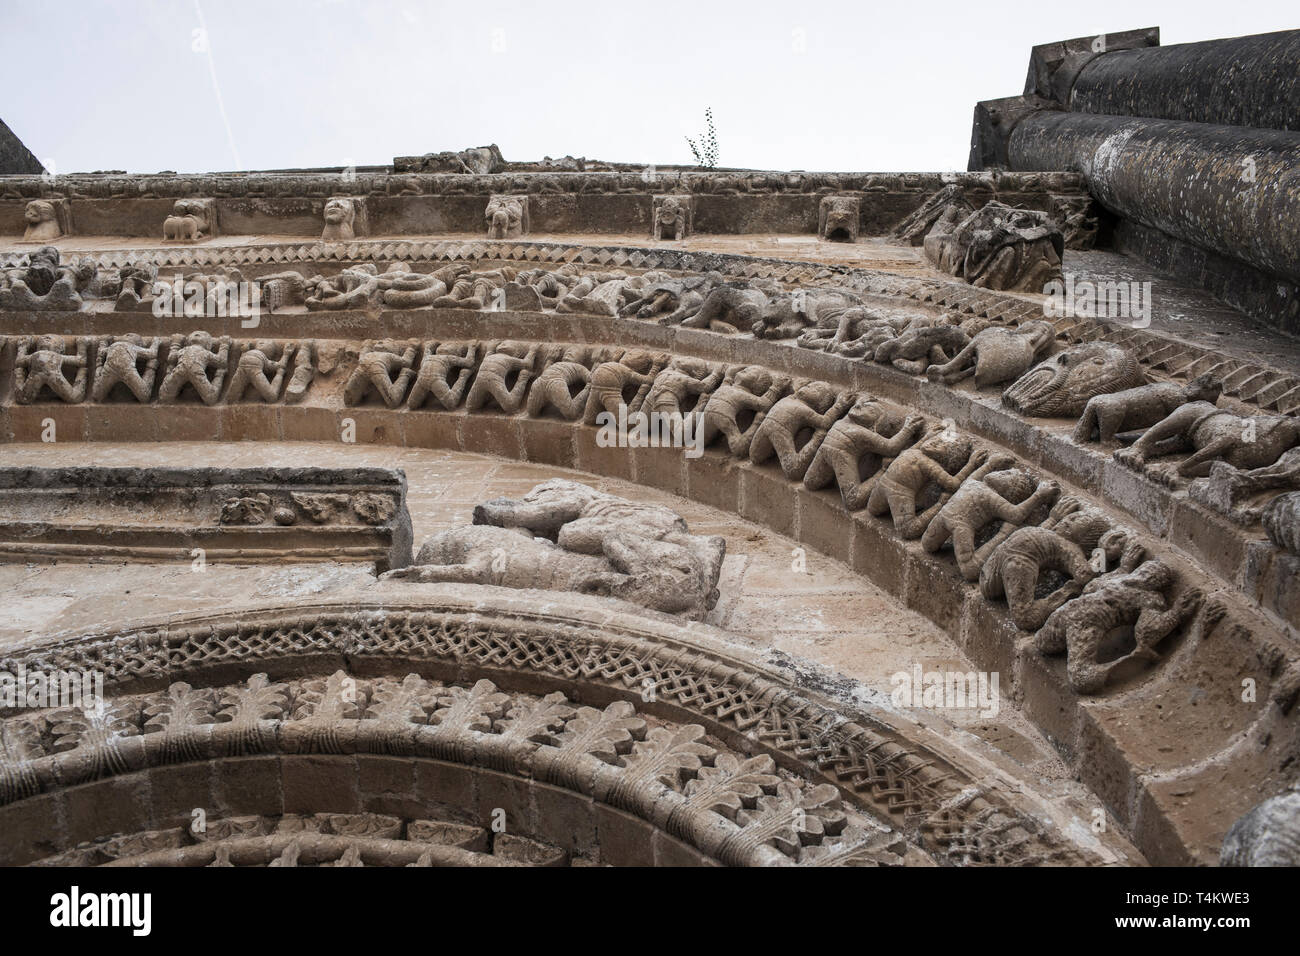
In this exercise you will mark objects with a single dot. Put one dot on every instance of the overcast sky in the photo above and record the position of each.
(138, 85)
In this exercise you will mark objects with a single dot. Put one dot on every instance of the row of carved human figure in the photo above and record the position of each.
(215, 368)
(1233, 458)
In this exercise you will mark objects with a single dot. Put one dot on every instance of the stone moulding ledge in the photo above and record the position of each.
(592, 654)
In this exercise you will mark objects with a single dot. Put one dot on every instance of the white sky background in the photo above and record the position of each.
(815, 84)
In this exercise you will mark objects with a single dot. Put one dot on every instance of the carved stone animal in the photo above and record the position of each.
(996, 354)
(1108, 415)
(921, 346)
(1062, 386)
(507, 217)
(837, 218)
(1212, 433)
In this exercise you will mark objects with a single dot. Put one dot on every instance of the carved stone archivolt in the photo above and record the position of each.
(807, 785)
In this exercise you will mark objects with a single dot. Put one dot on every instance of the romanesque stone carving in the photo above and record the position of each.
(683, 387)
(626, 382)
(867, 435)
(920, 346)
(730, 308)
(568, 537)
(340, 217)
(738, 407)
(997, 247)
(815, 311)
(473, 161)
(1119, 599)
(669, 297)
(1281, 519)
(943, 459)
(446, 369)
(672, 217)
(1062, 386)
(917, 226)
(507, 217)
(1227, 490)
(385, 367)
(400, 289)
(1077, 217)
(1067, 544)
(353, 288)
(191, 221)
(45, 284)
(504, 375)
(41, 362)
(260, 366)
(128, 360)
(600, 293)
(1211, 434)
(993, 492)
(1268, 835)
(44, 222)
(564, 384)
(199, 361)
(477, 290)
(838, 218)
(1105, 416)
(136, 284)
(997, 354)
(797, 425)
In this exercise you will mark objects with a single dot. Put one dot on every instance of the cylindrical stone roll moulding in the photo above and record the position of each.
(1230, 189)
(1243, 81)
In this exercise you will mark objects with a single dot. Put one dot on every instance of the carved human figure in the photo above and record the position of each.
(1211, 434)
(1227, 489)
(353, 288)
(728, 309)
(808, 414)
(790, 315)
(596, 293)
(40, 363)
(46, 284)
(1079, 627)
(340, 218)
(252, 367)
(869, 428)
(1007, 495)
(566, 536)
(42, 220)
(1076, 541)
(944, 459)
(304, 370)
(564, 385)
(919, 346)
(118, 360)
(739, 405)
(507, 217)
(197, 360)
(1105, 416)
(672, 218)
(624, 382)
(387, 367)
(503, 376)
(137, 280)
(997, 354)
(671, 297)
(683, 386)
(446, 369)
(477, 290)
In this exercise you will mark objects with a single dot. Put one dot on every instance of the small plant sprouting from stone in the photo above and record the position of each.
(706, 148)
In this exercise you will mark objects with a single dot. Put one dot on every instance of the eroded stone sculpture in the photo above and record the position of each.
(997, 354)
(943, 459)
(993, 492)
(446, 369)
(42, 218)
(1120, 599)
(797, 425)
(1062, 386)
(997, 247)
(41, 362)
(563, 385)
(507, 217)
(1212, 434)
(262, 367)
(672, 217)
(340, 217)
(503, 376)
(870, 430)
(1268, 835)
(568, 537)
(838, 218)
(128, 360)
(738, 407)
(1105, 416)
(385, 367)
(197, 360)
(191, 220)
